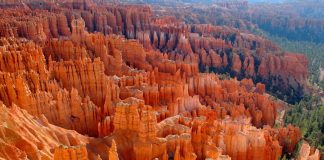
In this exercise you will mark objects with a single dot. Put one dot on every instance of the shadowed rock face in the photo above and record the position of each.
(134, 99)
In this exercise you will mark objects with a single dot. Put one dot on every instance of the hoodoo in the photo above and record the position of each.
(83, 79)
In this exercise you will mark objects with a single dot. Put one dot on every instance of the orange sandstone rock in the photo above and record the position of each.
(305, 153)
(71, 153)
(24, 136)
(130, 100)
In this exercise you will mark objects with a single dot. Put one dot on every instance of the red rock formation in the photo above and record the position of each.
(237, 139)
(88, 77)
(205, 40)
(236, 63)
(289, 137)
(134, 102)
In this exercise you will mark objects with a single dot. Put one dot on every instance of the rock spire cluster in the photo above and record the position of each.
(110, 82)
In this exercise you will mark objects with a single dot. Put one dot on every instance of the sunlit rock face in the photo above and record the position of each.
(113, 82)
(308, 153)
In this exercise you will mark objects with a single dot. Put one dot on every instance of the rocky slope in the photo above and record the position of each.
(135, 99)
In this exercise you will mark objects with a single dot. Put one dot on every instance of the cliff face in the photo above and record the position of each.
(128, 100)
